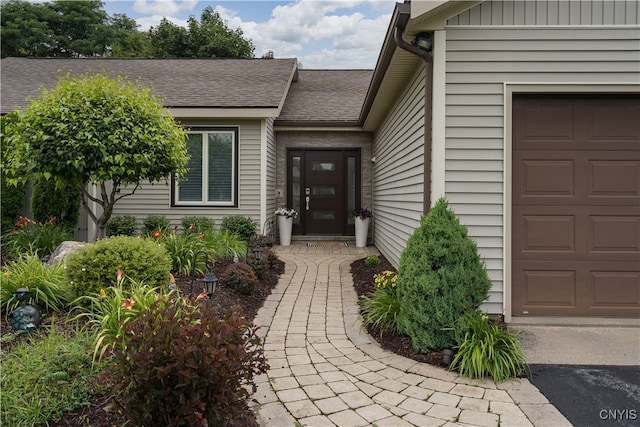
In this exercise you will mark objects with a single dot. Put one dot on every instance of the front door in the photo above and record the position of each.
(324, 186)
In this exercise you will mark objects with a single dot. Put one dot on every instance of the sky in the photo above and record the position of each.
(322, 34)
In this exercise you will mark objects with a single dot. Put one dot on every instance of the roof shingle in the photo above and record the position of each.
(221, 83)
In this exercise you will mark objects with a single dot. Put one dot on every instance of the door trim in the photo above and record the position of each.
(299, 226)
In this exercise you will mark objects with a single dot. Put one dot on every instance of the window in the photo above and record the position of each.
(211, 178)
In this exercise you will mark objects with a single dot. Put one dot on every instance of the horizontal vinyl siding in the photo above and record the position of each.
(271, 173)
(541, 12)
(398, 174)
(155, 199)
(479, 62)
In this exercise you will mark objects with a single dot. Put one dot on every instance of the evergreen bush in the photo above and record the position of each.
(243, 226)
(49, 202)
(442, 277)
(124, 225)
(95, 266)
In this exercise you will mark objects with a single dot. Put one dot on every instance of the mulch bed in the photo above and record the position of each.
(103, 413)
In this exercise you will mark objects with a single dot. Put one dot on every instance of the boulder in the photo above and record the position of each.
(64, 249)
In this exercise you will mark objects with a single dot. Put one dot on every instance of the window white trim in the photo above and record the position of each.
(205, 132)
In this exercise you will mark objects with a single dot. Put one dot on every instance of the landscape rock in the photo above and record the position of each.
(64, 249)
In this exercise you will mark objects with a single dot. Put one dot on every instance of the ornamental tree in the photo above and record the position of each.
(105, 134)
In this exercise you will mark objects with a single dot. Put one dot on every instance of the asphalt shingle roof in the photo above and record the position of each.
(222, 83)
(326, 95)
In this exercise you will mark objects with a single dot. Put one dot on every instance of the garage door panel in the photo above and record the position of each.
(580, 178)
(549, 234)
(613, 122)
(615, 235)
(558, 130)
(614, 180)
(586, 289)
(574, 232)
(611, 291)
(576, 206)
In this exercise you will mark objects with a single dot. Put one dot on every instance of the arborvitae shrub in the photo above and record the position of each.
(95, 266)
(240, 277)
(197, 224)
(124, 225)
(49, 201)
(186, 366)
(441, 277)
(243, 226)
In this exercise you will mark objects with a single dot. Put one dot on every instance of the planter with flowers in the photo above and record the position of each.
(362, 219)
(285, 224)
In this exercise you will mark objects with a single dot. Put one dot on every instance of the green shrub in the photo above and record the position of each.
(13, 196)
(124, 225)
(372, 260)
(94, 266)
(181, 248)
(442, 278)
(244, 227)
(197, 224)
(187, 367)
(240, 277)
(48, 284)
(154, 223)
(44, 377)
(12, 203)
(223, 244)
(486, 349)
(381, 308)
(37, 238)
(49, 201)
(108, 311)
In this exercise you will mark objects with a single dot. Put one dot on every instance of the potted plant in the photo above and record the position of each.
(285, 224)
(362, 218)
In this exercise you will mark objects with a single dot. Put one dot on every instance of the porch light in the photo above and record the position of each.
(423, 41)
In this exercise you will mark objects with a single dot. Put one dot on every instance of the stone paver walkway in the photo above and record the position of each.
(327, 371)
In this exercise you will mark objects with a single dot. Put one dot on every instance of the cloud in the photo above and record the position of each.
(153, 21)
(333, 34)
(163, 7)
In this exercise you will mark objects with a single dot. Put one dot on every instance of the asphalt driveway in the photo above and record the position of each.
(591, 395)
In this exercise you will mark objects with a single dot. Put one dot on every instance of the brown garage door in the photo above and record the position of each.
(576, 206)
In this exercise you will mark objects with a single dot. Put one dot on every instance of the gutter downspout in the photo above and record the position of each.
(428, 104)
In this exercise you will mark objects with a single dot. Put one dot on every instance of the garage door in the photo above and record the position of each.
(576, 206)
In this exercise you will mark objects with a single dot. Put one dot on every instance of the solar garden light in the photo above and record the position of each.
(210, 279)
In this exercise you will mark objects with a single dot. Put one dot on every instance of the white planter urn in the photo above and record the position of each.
(362, 228)
(285, 224)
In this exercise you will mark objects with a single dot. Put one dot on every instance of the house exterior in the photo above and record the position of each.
(523, 114)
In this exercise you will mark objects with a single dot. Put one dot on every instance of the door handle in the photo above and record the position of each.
(307, 200)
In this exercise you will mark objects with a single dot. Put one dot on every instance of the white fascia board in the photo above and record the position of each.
(236, 113)
(319, 128)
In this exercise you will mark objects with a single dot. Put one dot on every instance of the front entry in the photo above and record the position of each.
(324, 186)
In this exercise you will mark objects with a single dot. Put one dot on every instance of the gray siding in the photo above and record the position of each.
(541, 12)
(398, 174)
(271, 173)
(155, 199)
(479, 61)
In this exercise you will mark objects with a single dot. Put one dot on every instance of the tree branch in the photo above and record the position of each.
(128, 194)
(85, 196)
